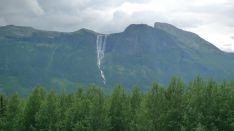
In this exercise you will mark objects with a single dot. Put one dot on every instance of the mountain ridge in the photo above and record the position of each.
(139, 55)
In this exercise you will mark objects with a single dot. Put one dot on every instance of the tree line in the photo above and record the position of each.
(198, 106)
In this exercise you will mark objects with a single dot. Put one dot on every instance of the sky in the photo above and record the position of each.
(213, 20)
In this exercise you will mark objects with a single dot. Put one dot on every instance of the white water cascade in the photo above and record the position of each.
(101, 45)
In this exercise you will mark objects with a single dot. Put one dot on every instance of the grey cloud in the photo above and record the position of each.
(67, 15)
(227, 45)
(217, 12)
(19, 12)
(74, 5)
(104, 16)
(60, 15)
(12, 7)
(2, 21)
(121, 20)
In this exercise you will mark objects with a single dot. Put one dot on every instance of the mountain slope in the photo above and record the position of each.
(53, 59)
(203, 51)
(139, 55)
(142, 54)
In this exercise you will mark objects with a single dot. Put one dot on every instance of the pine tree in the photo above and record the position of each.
(118, 110)
(33, 105)
(155, 109)
(46, 117)
(3, 111)
(99, 120)
(134, 109)
(14, 114)
(64, 103)
(175, 105)
(2, 106)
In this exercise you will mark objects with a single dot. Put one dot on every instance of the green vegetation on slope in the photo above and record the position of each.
(139, 55)
(198, 106)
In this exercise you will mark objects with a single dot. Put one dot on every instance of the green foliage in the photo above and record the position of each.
(3, 111)
(199, 106)
(15, 113)
(46, 117)
(118, 110)
(32, 107)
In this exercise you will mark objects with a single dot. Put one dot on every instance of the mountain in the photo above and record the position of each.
(138, 56)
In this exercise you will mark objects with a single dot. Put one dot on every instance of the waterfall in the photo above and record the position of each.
(101, 45)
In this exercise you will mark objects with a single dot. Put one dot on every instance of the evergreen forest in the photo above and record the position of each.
(200, 105)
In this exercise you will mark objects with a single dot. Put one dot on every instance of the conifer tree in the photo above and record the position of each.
(46, 117)
(32, 107)
(117, 110)
(14, 113)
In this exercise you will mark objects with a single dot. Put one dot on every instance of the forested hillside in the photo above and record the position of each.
(139, 55)
(200, 105)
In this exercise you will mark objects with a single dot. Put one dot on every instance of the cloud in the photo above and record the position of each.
(2, 21)
(19, 12)
(20, 7)
(211, 19)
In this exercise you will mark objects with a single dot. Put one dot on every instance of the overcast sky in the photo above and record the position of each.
(211, 19)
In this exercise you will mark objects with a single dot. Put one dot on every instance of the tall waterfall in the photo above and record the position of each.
(101, 45)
